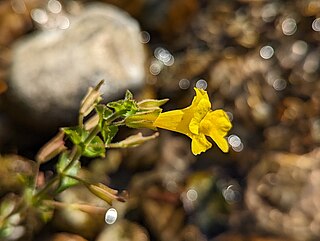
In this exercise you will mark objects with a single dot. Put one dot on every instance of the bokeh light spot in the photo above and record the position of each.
(235, 143)
(63, 22)
(164, 56)
(192, 195)
(184, 84)
(289, 26)
(231, 194)
(156, 67)
(202, 84)
(54, 6)
(39, 15)
(18, 6)
(144, 37)
(269, 12)
(316, 25)
(266, 52)
(230, 115)
(111, 216)
(300, 47)
(279, 84)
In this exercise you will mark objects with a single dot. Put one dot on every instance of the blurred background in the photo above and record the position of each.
(258, 60)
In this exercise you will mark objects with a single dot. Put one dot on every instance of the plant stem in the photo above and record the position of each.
(80, 120)
(93, 133)
(36, 177)
(47, 186)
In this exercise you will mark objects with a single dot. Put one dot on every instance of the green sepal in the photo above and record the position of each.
(64, 170)
(76, 134)
(143, 119)
(104, 113)
(129, 95)
(151, 103)
(108, 133)
(124, 107)
(95, 148)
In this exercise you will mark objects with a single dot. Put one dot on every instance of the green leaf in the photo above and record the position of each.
(95, 148)
(65, 170)
(108, 133)
(76, 134)
(118, 106)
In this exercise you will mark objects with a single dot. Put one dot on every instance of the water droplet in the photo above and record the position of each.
(279, 84)
(202, 84)
(192, 195)
(316, 25)
(266, 52)
(144, 37)
(289, 26)
(39, 15)
(54, 6)
(184, 84)
(111, 216)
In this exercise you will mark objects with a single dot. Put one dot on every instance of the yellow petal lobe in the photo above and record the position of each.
(199, 144)
(200, 111)
(216, 124)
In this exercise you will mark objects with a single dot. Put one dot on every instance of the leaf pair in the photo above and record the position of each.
(90, 147)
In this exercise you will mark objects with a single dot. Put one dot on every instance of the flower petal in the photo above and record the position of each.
(200, 94)
(169, 120)
(199, 144)
(216, 124)
(200, 111)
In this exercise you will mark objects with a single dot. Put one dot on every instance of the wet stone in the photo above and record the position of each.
(52, 70)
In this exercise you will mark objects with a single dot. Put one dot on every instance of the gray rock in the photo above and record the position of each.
(52, 69)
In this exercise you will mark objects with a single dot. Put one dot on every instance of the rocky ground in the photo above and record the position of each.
(258, 60)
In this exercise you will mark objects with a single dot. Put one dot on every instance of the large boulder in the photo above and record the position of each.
(52, 69)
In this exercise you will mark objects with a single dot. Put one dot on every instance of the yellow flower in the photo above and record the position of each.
(198, 121)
